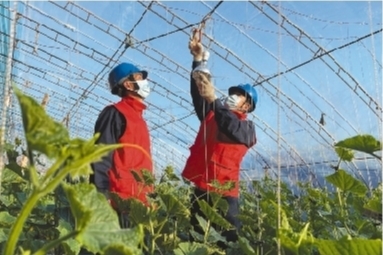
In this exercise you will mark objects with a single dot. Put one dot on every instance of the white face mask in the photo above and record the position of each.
(232, 101)
(143, 88)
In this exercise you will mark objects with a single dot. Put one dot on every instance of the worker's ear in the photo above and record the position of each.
(128, 85)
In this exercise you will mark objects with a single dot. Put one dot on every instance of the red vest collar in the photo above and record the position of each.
(135, 103)
(241, 116)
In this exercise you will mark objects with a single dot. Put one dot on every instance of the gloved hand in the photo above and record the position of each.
(205, 87)
(196, 47)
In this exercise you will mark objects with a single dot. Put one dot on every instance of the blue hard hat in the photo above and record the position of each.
(120, 73)
(248, 91)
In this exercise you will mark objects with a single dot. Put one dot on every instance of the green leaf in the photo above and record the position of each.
(80, 153)
(136, 176)
(12, 173)
(344, 153)
(138, 212)
(366, 229)
(169, 171)
(245, 246)
(28, 252)
(121, 249)
(363, 143)
(6, 219)
(33, 245)
(220, 203)
(349, 247)
(228, 185)
(374, 204)
(3, 234)
(298, 243)
(187, 248)
(288, 240)
(213, 216)
(345, 182)
(284, 220)
(43, 134)
(212, 235)
(174, 206)
(96, 222)
(71, 246)
(148, 177)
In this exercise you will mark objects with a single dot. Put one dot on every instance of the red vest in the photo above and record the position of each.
(214, 157)
(135, 155)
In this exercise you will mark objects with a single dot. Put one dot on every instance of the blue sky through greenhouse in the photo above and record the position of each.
(73, 46)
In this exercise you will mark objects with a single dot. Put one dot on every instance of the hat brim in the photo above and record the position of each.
(233, 90)
(144, 74)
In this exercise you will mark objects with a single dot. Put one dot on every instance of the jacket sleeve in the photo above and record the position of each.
(110, 124)
(201, 107)
(241, 131)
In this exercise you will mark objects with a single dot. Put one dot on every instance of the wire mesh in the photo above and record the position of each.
(64, 50)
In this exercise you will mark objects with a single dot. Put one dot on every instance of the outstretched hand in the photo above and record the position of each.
(196, 47)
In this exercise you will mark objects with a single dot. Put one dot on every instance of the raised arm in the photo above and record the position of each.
(201, 107)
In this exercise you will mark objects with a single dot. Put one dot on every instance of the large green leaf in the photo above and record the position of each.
(174, 206)
(13, 173)
(187, 248)
(212, 235)
(346, 182)
(212, 215)
(138, 212)
(96, 222)
(374, 204)
(344, 153)
(43, 134)
(220, 203)
(349, 247)
(363, 143)
(366, 229)
(71, 246)
(80, 153)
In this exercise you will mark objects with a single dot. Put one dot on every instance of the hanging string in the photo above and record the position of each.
(279, 126)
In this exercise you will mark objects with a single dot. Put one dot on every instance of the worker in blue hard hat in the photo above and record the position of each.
(123, 123)
(224, 137)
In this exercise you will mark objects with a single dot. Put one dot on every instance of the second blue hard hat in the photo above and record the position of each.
(248, 91)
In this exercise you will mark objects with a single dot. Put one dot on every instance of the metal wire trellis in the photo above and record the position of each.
(77, 91)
